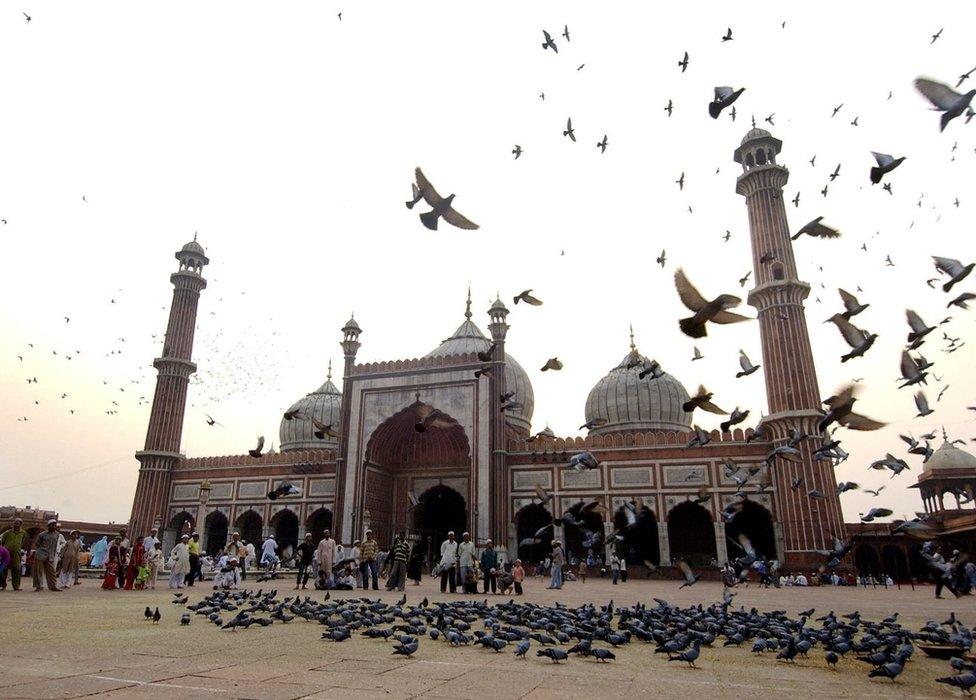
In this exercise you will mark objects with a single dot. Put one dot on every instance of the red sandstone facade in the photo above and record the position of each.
(481, 473)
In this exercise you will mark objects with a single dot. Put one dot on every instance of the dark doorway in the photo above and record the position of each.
(529, 521)
(285, 523)
(866, 560)
(318, 522)
(182, 523)
(440, 509)
(641, 543)
(249, 524)
(756, 523)
(894, 562)
(216, 531)
(580, 539)
(691, 534)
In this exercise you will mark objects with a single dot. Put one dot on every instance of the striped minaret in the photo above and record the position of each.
(500, 518)
(174, 368)
(792, 394)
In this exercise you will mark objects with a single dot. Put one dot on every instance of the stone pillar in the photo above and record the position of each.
(780, 541)
(721, 547)
(663, 544)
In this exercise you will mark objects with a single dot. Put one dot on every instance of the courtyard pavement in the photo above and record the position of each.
(86, 642)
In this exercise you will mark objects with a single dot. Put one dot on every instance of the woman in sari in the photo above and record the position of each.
(99, 553)
(136, 560)
(110, 582)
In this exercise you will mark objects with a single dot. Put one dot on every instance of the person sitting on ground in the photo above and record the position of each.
(504, 581)
(344, 580)
(471, 580)
(801, 580)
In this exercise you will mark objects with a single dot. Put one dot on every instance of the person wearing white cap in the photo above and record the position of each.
(45, 551)
(179, 562)
(448, 563)
(150, 540)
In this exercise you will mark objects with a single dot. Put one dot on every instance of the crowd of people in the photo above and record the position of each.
(53, 561)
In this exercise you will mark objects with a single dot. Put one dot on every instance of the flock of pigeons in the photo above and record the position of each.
(558, 633)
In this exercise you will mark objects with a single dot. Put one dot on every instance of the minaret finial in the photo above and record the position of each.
(632, 346)
(194, 236)
(467, 305)
(944, 435)
(753, 121)
(328, 375)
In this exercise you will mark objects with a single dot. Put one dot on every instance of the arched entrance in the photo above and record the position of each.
(397, 451)
(285, 524)
(440, 510)
(691, 534)
(528, 521)
(317, 523)
(215, 527)
(249, 524)
(642, 542)
(756, 523)
(182, 523)
(583, 538)
(866, 560)
(894, 562)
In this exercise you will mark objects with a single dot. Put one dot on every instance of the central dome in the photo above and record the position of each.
(468, 338)
(630, 404)
(324, 405)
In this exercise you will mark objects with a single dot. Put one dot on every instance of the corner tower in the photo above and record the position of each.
(792, 394)
(162, 449)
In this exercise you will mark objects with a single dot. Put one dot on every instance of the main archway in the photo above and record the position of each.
(641, 542)
(755, 522)
(215, 527)
(249, 524)
(440, 510)
(528, 521)
(894, 562)
(691, 534)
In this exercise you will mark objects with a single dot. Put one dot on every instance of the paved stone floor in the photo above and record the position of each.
(88, 642)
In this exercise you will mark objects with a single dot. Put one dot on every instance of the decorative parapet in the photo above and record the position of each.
(645, 439)
(416, 363)
(269, 459)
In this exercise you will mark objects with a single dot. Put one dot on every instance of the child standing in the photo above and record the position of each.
(518, 575)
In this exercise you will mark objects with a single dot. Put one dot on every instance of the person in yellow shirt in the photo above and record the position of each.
(194, 546)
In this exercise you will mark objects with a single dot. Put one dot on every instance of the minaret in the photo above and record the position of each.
(162, 450)
(500, 519)
(340, 524)
(792, 394)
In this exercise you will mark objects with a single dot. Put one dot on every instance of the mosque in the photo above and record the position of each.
(479, 469)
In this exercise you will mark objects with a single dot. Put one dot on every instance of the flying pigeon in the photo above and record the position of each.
(724, 97)
(747, 366)
(440, 206)
(885, 165)
(954, 269)
(715, 310)
(817, 230)
(944, 99)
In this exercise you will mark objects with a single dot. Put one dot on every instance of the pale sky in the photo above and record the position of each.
(287, 138)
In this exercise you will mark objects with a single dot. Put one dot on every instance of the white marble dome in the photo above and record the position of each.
(468, 338)
(949, 457)
(630, 404)
(324, 405)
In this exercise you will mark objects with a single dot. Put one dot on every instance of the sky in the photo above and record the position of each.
(286, 139)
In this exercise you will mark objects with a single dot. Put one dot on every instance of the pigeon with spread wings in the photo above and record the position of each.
(256, 452)
(440, 206)
(429, 417)
(944, 99)
(840, 409)
(955, 270)
(715, 310)
(724, 97)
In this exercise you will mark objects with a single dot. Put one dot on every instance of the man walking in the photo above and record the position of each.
(448, 563)
(194, 546)
(13, 540)
(399, 553)
(489, 562)
(370, 548)
(306, 551)
(150, 540)
(45, 551)
(465, 558)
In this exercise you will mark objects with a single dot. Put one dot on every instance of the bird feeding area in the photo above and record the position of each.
(600, 638)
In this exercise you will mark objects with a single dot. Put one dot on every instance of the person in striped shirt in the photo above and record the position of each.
(399, 554)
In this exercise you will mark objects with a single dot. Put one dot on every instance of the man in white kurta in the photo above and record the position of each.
(326, 553)
(179, 562)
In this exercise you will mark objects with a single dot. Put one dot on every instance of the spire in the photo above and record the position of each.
(194, 236)
(632, 346)
(328, 375)
(753, 121)
(467, 305)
